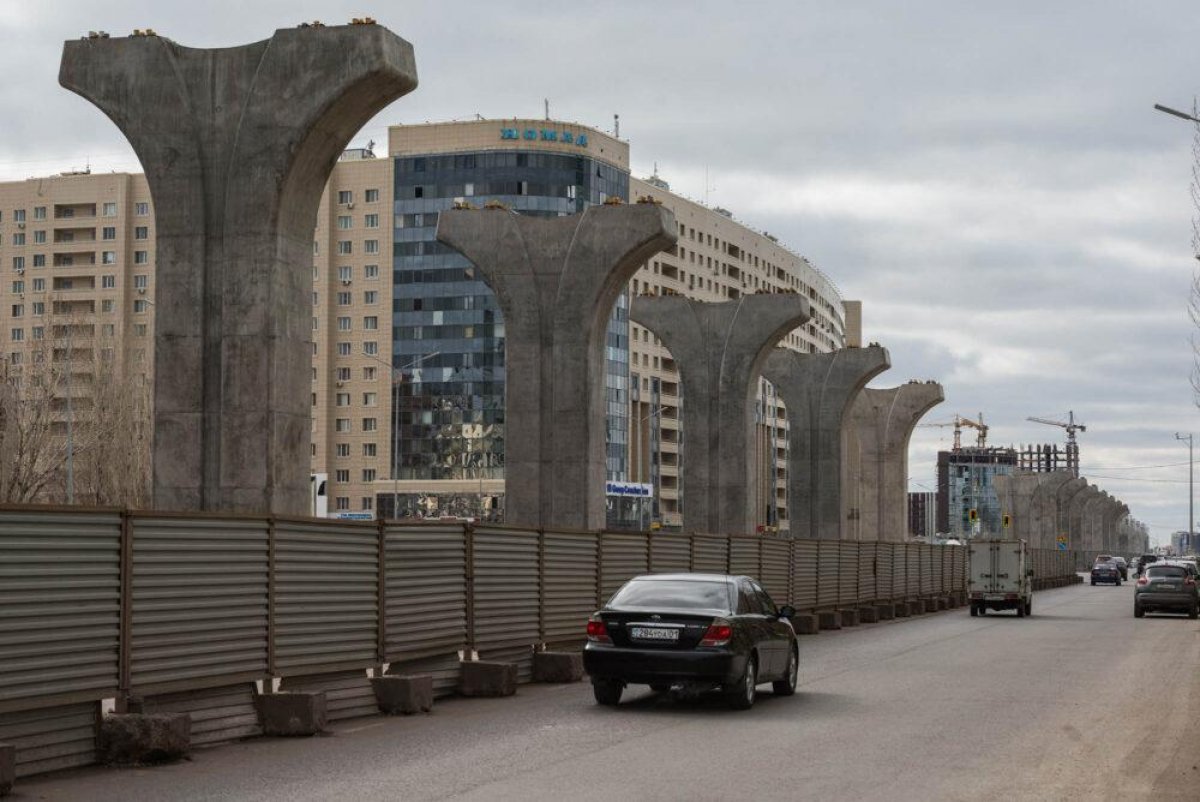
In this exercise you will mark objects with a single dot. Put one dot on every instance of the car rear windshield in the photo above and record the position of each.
(678, 594)
(1166, 570)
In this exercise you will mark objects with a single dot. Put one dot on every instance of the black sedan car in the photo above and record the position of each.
(1106, 572)
(700, 631)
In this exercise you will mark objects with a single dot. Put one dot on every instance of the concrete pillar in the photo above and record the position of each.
(720, 349)
(818, 390)
(1114, 513)
(1077, 522)
(1044, 509)
(237, 144)
(1062, 508)
(882, 421)
(1016, 494)
(556, 281)
(1093, 521)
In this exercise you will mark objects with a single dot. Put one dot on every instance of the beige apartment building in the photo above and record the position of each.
(393, 312)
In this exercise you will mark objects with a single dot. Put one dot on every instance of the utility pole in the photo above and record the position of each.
(1191, 489)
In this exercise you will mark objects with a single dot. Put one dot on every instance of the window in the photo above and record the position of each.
(343, 299)
(39, 260)
(139, 329)
(345, 248)
(371, 297)
(370, 399)
(343, 349)
(141, 232)
(18, 215)
(368, 475)
(371, 323)
(39, 237)
(140, 282)
(372, 196)
(368, 503)
(38, 332)
(108, 258)
(341, 475)
(108, 329)
(19, 238)
(342, 399)
(370, 424)
(371, 221)
(371, 348)
(18, 263)
(344, 222)
(108, 233)
(345, 196)
(141, 257)
(18, 310)
(342, 425)
(369, 450)
(141, 209)
(342, 502)
(18, 286)
(371, 246)
(345, 273)
(108, 282)
(342, 449)
(108, 305)
(17, 335)
(343, 324)
(140, 306)
(109, 210)
(371, 271)
(39, 285)
(39, 212)
(368, 374)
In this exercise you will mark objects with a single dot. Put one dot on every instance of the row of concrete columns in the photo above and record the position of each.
(1060, 510)
(237, 144)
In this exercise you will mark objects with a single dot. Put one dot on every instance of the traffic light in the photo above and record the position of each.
(974, 515)
(1007, 520)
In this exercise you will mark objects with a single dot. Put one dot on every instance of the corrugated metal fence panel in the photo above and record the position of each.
(348, 694)
(445, 670)
(804, 574)
(960, 567)
(936, 556)
(200, 592)
(52, 738)
(507, 593)
(710, 554)
(927, 586)
(426, 591)
(776, 572)
(622, 557)
(568, 585)
(866, 572)
(521, 655)
(828, 552)
(912, 569)
(885, 571)
(847, 573)
(60, 604)
(219, 715)
(670, 554)
(744, 555)
(326, 595)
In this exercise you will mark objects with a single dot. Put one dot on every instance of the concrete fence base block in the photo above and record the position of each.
(140, 738)
(805, 624)
(900, 609)
(8, 768)
(403, 694)
(829, 619)
(943, 603)
(952, 601)
(291, 713)
(868, 615)
(886, 612)
(486, 678)
(557, 666)
(916, 607)
(849, 618)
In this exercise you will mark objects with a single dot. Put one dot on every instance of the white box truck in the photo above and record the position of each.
(1000, 577)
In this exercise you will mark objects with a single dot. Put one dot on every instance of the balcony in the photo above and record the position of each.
(74, 284)
(80, 259)
(74, 211)
(74, 235)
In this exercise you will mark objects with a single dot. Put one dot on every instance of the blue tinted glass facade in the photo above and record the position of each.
(451, 406)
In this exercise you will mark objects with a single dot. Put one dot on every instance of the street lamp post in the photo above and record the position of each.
(1191, 488)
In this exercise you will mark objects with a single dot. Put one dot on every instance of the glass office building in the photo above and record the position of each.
(448, 330)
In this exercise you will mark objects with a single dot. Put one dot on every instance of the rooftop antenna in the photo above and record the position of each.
(547, 102)
(617, 126)
(371, 146)
(707, 186)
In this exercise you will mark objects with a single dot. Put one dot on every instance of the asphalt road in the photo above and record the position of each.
(1081, 701)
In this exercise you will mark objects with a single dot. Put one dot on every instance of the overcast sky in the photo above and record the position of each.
(991, 181)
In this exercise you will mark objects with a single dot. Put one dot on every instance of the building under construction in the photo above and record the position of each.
(967, 504)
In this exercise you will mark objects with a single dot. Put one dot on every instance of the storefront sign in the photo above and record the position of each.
(545, 135)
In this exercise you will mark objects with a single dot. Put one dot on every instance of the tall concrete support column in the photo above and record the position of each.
(720, 349)
(237, 144)
(882, 421)
(1016, 493)
(1114, 513)
(1076, 520)
(1062, 518)
(1044, 509)
(556, 281)
(818, 390)
(1093, 521)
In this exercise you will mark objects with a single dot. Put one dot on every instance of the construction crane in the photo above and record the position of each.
(1072, 447)
(958, 424)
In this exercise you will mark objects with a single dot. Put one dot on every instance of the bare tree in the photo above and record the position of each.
(32, 454)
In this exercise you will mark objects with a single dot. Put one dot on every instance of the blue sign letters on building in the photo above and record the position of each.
(547, 135)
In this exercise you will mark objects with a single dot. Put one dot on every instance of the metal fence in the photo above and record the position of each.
(111, 604)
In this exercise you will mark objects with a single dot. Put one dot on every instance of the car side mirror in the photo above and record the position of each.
(787, 611)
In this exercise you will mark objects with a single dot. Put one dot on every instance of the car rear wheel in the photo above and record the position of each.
(741, 693)
(1029, 607)
(1093, 583)
(1138, 612)
(1020, 610)
(607, 692)
(787, 685)
(974, 610)
(1194, 612)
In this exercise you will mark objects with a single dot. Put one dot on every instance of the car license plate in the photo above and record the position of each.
(654, 633)
(1171, 588)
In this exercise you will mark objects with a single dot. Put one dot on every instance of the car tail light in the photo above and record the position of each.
(1143, 581)
(718, 633)
(1190, 581)
(597, 632)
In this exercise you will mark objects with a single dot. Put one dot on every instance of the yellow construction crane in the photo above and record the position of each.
(1072, 447)
(958, 424)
